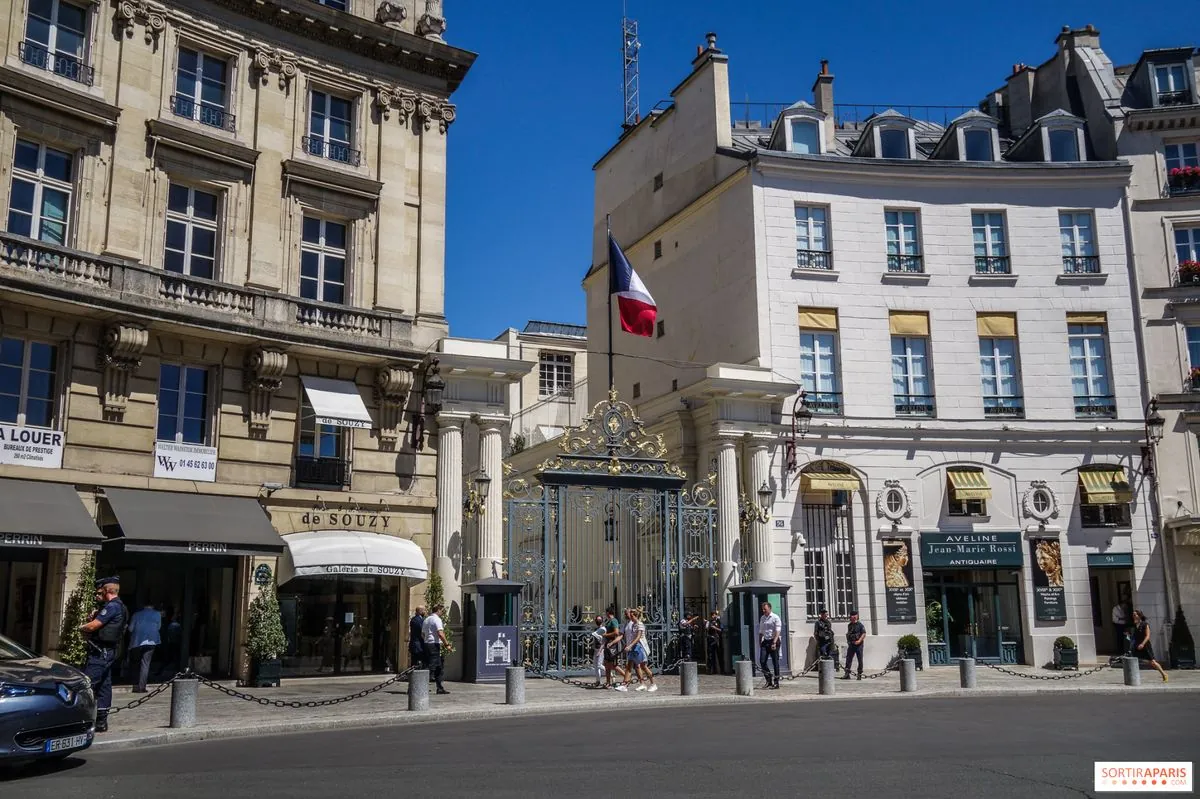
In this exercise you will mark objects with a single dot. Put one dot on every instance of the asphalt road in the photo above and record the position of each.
(1003, 747)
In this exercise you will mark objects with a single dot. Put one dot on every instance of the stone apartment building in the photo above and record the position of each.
(553, 396)
(916, 339)
(221, 292)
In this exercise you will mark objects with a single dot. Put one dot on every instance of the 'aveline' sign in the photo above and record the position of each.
(970, 550)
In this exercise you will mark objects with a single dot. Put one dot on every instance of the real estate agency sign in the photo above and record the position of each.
(185, 462)
(31, 446)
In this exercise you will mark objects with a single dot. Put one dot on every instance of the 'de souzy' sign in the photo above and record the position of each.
(898, 582)
(1049, 595)
(970, 550)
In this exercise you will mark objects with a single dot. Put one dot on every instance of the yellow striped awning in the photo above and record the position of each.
(830, 481)
(1105, 487)
(969, 484)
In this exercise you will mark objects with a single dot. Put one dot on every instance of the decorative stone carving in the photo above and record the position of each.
(390, 14)
(415, 106)
(262, 373)
(1039, 502)
(267, 60)
(432, 23)
(119, 356)
(392, 387)
(891, 502)
(151, 15)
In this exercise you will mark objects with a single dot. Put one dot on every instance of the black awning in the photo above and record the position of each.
(45, 516)
(203, 524)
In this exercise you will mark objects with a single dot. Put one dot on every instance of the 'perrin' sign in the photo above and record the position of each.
(970, 550)
(21, 540)
(31, 446)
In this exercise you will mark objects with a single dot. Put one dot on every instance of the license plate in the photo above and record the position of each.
(63, 744)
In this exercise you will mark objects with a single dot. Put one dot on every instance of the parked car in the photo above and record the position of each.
(47, 709)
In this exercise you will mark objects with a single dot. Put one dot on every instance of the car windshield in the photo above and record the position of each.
(11, 650)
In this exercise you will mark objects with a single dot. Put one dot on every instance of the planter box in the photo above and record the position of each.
(265, 673)
(914, 654)
(1066, 659)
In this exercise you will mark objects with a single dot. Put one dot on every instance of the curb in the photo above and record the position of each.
(163, 737)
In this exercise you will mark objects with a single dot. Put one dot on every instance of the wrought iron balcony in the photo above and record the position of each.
(914, 264)
(814, 259)
(1004, 406)
(333, 150)
(1181, 186)
(1175, 98)
(1081, 264)
(1095, 407)
(993, 265)
(914, 405)
(209, 115)
(1187, 276)
(68, 66)
(333, 472)
(823, 403)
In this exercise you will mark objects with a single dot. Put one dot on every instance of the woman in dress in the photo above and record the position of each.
(1141, 642)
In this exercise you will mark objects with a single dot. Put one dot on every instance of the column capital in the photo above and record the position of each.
(724, 442)
(448, 422)
(489, 423)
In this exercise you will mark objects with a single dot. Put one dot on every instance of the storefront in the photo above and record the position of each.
(186, 555)
(340, 593)
(1110, 580)
(39, 523)
(973, 596)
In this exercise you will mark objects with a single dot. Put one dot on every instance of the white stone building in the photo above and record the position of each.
(553, 396)
(955, 305)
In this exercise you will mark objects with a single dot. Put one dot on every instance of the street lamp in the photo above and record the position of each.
(435, 387)
(483, 484)
(764, 497)
(474, 501)
(801, 420)
(1155, 423)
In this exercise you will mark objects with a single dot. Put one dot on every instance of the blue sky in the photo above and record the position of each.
(543, 103)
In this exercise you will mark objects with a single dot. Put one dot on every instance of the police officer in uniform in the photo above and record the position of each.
(103, 631)
(826, 644)
(856, 634)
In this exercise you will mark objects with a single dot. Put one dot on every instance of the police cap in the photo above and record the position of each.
(103, 581)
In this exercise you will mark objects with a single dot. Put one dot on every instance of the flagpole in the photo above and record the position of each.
(608, 227)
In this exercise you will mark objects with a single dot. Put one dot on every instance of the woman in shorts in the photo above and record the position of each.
(637, 652)
(1141, 642)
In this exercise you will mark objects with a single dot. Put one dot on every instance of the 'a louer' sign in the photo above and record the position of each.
(31, 446)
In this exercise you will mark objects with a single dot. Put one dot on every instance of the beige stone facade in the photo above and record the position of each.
(243, 195)
(554, 395)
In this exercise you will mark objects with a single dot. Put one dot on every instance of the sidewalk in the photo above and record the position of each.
(221, 716)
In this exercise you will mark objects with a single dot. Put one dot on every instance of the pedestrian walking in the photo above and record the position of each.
(637, 653)
(597, 636)
(612, 650)
(145, 629)
(103, 630)
(433, 633)
(770, 637)
(826, 638)
(1141, 643)
(1120, 622)
(416, 639)
(714, 636)
(856, 634)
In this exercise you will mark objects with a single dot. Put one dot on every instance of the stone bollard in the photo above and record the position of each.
(514, 685)
(418, 689)
(826, 674)
(184, 692)
(1133, 671)
(966, 672)
(689, 678)
(908, 675)
(744, 678)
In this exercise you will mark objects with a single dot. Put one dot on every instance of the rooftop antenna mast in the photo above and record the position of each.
(629, 51)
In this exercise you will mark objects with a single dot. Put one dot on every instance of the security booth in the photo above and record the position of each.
(490, 629)
(744, 612)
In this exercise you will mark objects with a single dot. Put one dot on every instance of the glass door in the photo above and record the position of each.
(985, 624)
(958, 620)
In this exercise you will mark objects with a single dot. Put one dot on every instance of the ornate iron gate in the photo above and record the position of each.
(606, 524)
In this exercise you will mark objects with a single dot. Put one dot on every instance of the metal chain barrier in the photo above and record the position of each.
(236, 694)
(144, 699)
(592, 686)
(1073, 676)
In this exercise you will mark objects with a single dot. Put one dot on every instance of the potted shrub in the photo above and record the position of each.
(910, 647)
(72, 648)
(265, 640)
(1189, 273)
(1183, 648)
(1184, 177)
(1066, 655)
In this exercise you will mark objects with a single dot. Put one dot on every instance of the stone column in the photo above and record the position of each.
(490, 548)
(760, 535)
(727, 515)
(449, 510)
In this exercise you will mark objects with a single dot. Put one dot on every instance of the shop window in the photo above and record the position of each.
(183, 404)
(321, 452)
(28, 382)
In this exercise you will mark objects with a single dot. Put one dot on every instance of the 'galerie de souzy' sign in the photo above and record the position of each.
(970, 550)
(31, 446)
(185, 461)
(345, 519)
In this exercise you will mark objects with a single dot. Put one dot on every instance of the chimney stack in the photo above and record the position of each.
(823, 100)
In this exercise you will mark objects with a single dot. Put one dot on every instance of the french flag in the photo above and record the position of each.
(634, 303)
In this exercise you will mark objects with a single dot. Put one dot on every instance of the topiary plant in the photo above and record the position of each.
(434, 595)
(908, 642)
(1064, 642)
(72, 648)
(264, 629)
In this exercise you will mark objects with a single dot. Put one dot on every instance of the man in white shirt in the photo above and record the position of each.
(1120, 620)
(434, 634)
(770, 634)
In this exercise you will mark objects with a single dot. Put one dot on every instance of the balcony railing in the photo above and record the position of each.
(814, 259)
(1010, 407)
(333, 150)
(334, 472)
(68, 66)
(914, 405)
(823, 403)
(1095, 407)
(912, 264)
(993, 265)
(1081, 264)
(1182, 185)
(209, 115)
(1187, 276)
(1175, 98)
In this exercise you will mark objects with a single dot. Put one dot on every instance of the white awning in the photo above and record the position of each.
(328, 553)
(336, 403)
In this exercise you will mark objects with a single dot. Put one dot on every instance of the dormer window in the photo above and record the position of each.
(893, 143)
(1171, 85)
(806, 137)
(1064, 144)
(977, 145)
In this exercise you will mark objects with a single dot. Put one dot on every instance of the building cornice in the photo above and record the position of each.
(46, 93)
(1168, 118)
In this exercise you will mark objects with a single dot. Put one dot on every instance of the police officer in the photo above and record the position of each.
(856, 634)
(686, 642)
(826, 644)
(103, 631)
